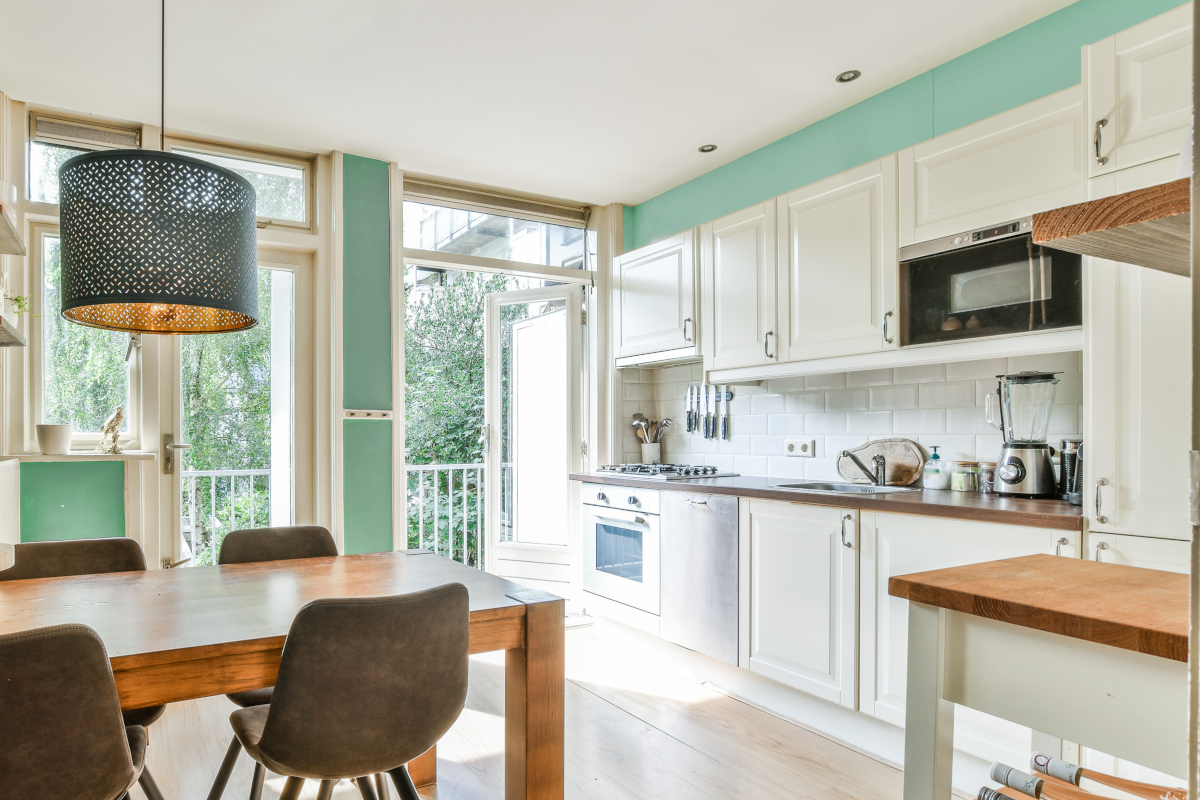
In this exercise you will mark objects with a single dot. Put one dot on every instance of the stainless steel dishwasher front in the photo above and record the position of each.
(699, 573)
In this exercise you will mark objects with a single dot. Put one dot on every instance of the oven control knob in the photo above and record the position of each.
(1013, 471)
(633, 501)
(602, 497)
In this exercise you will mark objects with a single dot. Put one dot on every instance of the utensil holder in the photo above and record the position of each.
(54, 440)
(652, 453)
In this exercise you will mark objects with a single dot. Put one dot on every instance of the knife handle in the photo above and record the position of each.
(724, 427)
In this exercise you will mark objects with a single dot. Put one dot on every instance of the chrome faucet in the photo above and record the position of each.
(879, 476)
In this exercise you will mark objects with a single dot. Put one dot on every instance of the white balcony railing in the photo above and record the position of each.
(217, 501)
(445, 510)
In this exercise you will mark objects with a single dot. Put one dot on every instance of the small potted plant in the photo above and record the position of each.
(17, 304)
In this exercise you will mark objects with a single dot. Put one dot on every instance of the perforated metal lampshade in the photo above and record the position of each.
(156, 242)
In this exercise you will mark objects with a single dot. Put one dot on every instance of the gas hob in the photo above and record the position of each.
(665, 472)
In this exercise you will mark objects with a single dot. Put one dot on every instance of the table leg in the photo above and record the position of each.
(423, 768)
(534, 695)
(928, 719)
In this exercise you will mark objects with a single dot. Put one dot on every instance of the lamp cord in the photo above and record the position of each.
(162, 81)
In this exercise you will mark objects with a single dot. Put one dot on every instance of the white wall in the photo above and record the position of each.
(940, 404)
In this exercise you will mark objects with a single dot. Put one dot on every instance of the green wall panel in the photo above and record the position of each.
(366, 285)
(367, 485)
(1031, 62)
(72, 501)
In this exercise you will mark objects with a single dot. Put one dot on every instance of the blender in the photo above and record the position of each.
(1025, 400)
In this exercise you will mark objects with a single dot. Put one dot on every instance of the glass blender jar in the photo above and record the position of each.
(1023, 403)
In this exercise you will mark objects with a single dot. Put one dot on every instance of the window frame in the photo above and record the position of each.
(81, 441)
(307, 163)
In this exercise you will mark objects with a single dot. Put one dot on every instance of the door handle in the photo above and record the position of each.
(687, 338)
(1100, 517)
(766, 339)
(1058, 546)
(844, 542)
(1101, 160)
(885, 322)
(1100, 546)
(698, 502)
(169, 448)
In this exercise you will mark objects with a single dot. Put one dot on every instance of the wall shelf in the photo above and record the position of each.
(10, 336)
(84, 455)
(10, 236)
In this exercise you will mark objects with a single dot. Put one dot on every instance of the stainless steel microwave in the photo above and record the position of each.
(988, 282)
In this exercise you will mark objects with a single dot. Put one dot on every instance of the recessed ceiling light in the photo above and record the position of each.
(848, 75)
(707, 148)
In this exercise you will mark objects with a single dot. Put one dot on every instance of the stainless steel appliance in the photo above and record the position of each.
(988, 282)
(1024, 402)
(666, 472)
(621, 545)
(700, 573)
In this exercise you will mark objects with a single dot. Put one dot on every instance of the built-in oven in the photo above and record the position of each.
(621, 545)
(989, 282)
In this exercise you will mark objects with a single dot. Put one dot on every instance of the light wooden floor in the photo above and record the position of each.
(632, 734)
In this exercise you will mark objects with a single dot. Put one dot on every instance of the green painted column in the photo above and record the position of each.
(61, 500)
(366, 355)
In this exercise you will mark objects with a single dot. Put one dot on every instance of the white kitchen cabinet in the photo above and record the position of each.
(894, 544)
(1168, 555)
(1005, 167)
(656, 298)
(799, 591)
(1138, 90)
(838, 272)
(1137, 400)
(738, 296)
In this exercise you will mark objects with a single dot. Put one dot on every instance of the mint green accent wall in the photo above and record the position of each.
(72, 501)
(1031, 62)
(366, 285)
(367, 487)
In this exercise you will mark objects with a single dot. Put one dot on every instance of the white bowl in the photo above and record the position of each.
(54, 440)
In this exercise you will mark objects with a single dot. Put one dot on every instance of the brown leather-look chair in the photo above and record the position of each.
(365, 685)
(249, 546)
(82, 557)
(59, 702)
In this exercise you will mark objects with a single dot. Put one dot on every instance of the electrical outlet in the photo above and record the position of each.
(800, 448)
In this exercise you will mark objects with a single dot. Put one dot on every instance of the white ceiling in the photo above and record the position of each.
(591, 101)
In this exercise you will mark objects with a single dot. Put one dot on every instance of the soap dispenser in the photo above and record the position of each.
(937, 472)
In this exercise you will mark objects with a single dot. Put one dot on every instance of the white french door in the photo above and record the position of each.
(533, 433)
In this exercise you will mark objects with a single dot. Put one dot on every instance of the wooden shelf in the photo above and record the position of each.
(10, 336)
(10, 236)
(1149, 227)
(84, 455)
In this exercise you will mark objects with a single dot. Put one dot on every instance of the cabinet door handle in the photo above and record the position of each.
(885, 321)
(1101, 160)
(1100, 517)
(844, 542)
(1058, 546)
(766, 341)
(1100, 546)
(698, 502)
(685, 333)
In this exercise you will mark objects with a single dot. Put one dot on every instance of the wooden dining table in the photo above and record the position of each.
(182, 634)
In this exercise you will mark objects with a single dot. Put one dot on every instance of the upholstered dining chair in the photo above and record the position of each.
(249, 546)
(83, 557)
(365, 685)
(59, 701)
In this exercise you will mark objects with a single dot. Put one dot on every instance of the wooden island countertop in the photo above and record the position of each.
(1143, 610)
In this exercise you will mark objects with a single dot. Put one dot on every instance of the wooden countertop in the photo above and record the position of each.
(1056, 514)
(1144, 610)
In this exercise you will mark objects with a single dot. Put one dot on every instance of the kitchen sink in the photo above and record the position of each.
(845, 488)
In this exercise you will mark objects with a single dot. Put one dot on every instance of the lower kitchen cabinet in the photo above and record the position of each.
(894, 544)
(1168, 555)
(798, 604)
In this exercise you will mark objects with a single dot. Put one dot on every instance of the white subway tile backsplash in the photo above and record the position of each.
(766, 445)
(869, 377)
(806, 402)
(951, 448)
(750, 465)
(748, 424)
(1064, 419)
(824, 423)
(768, 404)
(846, 400)
(908, 422)
(735, 446)
(723, 463)
(976, 370)
(987, 448)
(781, 467)
(785, 423)
(739, 405)
(821, 469)
(639, 391)
(834, 445)
(894, 397)
(959, 394)
(869, 422)
(921, 373)
(967, 420)
(785, 385)
(833, 380)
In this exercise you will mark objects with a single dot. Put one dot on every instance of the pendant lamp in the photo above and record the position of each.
(157, 242)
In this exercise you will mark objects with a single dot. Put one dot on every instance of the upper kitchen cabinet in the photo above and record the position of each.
(1002, 168)
(1137, 394)
(838, 270)
(655, 295)
(1138, 89)
(738, 295)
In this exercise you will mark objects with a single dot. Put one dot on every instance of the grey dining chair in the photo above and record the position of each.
(64, 736)
(83, 557)
(365, 685)
(251, 545)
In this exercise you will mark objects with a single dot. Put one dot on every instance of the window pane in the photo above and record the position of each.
(84, 374)
(279, 187)
(456, 230)
(44, 161)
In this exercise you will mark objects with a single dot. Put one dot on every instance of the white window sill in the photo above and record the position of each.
(84, 455)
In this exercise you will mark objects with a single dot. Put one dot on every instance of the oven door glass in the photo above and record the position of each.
(999, 288)
(619, 551)
(621, 557)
